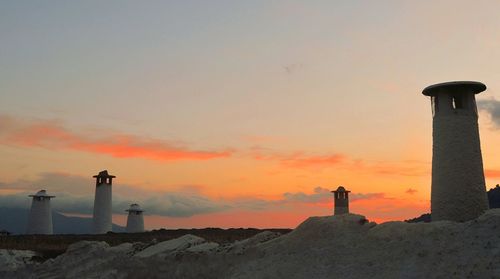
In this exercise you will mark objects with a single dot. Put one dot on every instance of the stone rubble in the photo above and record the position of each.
(343, 246)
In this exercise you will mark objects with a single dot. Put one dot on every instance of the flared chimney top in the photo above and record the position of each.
(41, 193)
(457, 86)
(104, 174)
(340, 189)
(135, 207)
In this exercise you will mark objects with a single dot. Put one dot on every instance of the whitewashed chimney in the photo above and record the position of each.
(458, 186)
(135, 219)
(102, 222)
(40, 219)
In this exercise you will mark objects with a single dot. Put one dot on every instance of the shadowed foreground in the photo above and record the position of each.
(49, 246)
(345, 246)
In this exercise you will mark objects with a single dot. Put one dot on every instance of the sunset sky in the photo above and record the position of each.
(236, 113)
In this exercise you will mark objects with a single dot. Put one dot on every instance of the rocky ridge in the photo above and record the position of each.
(345, 246)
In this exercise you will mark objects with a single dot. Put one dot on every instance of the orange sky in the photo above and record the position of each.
(236, 114)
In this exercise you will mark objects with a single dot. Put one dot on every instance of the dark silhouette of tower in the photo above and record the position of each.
(341, 201)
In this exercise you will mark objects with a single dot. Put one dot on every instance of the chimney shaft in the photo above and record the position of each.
(101, 221)
(458, 186)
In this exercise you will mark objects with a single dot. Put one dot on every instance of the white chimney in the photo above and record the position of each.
(135, 219)
(458, 187)
(102, 222)
(40, 220)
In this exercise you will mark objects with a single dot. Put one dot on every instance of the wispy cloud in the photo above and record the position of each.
(489, 173)
(411, 191)
(376, 206)
(319, 195)
(75, 194)
(299, 160)
(492, 107)
(322, 195)
(293, 68)
(366, 196)
(302, 160)
(52, 135)
(404, 168)
(164, 204)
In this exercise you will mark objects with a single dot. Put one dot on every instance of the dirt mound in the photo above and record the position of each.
(346, 246)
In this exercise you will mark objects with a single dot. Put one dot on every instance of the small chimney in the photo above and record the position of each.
(40, 220)
(135, 219)
(341, 201)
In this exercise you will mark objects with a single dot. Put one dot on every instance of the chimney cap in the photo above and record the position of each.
(41, 193)
(475, 87)
(135, 208)
(104, 173)
(341, 189)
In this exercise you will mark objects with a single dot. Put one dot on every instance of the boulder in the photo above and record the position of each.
(173, 245)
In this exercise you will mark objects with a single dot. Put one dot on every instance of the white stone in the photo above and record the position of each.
(11, 260)
(203, 247)
(177, 244)
(86, 259)
(239, 247)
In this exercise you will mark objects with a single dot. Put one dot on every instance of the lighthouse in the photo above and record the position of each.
(101, 221)
(341, 201)
(135, 219)
(458, 191)
(40, 220)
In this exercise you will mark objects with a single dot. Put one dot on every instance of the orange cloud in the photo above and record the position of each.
(405, 168)
(52, 135)
(300, 160)
(411, 191)
(492, 173)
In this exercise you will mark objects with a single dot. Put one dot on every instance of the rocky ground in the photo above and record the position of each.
(346, 246)
(50, 246)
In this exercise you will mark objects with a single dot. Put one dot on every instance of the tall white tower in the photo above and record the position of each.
(102, 222)
(40, 220)
(458, 187)
(135, 219)
(341, 201)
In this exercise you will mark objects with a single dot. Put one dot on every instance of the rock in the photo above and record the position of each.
(203, 248)
(177, 244)
(11, 260)
(85, 247)
(86, 259)
(239, 247)
(344, 246)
